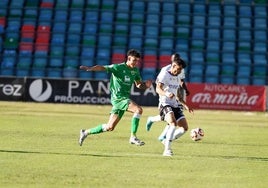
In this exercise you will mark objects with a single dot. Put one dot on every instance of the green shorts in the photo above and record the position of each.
(119, 107)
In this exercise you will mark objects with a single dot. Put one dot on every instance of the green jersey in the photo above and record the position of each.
(121, 80)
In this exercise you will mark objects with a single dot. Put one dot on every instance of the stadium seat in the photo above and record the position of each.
(93, 4)
(91, 16)
(166, 43)
(195, 78)
(169, 8)
(260, 47)
(260, 23)
(242, 80)
(138, 6)
(244, 22)
(214, 9)
(213, 46)
(73, 38)
(148, 73)
(227, 79)
(54, 72)
(260, 35)
(153, 7)
(122, 5)
(85, 75)
(45, 14)
(137, 18)
(72, 51)
(122, 17)
(60, 14)
(229, 34)
(214, 21)
(198, 33)
(212, 57)
(184, 8)
(229, 9)
(38, 72)
(228, 46)
(56, 62)
(199, 20)
(62, 4)
(259, 11)
(69, 72)
(168, 20)
(152, 19)
(101, 76)
(243, 59)
(198, 44)
(167, 31)
(150, 43)
(75, 27)
(212, 79)
(90, 28)
(136, 30)
(119, 41)
(244, 10)
(229, 22)
(213, 34)
(182, 44)
(105, 41)
(135, 42)
(107, 5)
(151, 31)
(77, 4)
(183, 19)
(121, 29)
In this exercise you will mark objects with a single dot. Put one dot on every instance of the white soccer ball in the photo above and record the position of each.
(197, 134)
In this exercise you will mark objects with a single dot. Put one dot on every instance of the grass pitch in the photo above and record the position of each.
(39, 148)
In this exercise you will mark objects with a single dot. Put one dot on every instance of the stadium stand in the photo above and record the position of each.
(222, 41)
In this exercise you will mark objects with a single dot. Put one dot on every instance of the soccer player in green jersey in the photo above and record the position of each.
(122, 77)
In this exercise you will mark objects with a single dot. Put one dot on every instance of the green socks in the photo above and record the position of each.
(96, 130)
(134, 124)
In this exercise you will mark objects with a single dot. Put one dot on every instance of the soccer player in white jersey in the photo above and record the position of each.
(171, 103)
(182, 89)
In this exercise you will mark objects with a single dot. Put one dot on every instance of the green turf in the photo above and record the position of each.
(39, 148)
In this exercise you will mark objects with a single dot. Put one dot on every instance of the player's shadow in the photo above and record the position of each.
(57, 153)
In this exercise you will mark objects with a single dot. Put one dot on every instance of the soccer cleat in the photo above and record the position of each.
(82, 137)
(161, 138)
(136, 141)
(149, 124)
(168, 153)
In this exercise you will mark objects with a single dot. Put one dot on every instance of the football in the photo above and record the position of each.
(197, 134)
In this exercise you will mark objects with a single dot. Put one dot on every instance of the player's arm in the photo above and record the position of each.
(93, 68)
(143, 85)
(160, 90)
(179, 97)
(184, 86)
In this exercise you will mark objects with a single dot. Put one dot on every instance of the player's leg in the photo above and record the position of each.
(169, 117)
(113, 121)
(151, 120)
(163, 134)
(182, 128)
(137, 112)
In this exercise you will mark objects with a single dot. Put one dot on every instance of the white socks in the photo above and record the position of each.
(169, 137)
(155, 118)
(178, 133)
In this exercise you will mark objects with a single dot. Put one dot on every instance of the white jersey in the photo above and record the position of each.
(171, 84)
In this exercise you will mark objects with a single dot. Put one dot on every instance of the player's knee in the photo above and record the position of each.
(139, 110)
(108, 128)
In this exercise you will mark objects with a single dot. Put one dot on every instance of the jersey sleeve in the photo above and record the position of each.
(110, 68)
(161, 77)
(182, 74)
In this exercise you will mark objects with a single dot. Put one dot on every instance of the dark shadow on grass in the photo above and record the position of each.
(56, 153)
(137, 155)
